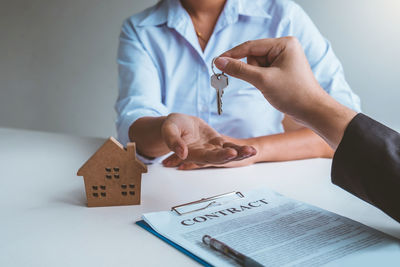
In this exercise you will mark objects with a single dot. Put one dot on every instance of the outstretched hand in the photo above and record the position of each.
(195, 142)
(243, 158)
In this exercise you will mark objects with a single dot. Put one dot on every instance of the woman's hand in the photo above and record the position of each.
(196, 143)
(243, 158)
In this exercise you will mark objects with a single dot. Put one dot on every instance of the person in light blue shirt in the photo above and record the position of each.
(164, 62)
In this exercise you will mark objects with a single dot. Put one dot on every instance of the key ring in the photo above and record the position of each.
(212, 68)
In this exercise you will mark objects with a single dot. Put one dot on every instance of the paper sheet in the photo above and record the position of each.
(278, 231)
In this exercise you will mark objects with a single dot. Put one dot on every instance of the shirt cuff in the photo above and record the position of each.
(148, 161)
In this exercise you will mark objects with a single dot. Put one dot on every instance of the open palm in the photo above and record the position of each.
(195, 141)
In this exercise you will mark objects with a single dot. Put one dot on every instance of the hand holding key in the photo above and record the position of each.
(281, 71)
(219, 81)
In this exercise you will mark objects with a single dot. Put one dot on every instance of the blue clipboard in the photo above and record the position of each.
(147, 227)
(179, 211)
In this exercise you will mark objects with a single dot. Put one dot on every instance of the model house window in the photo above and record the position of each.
(116, 172)
(112, 172)
(98, 188)
(108, 172)
(124, 193)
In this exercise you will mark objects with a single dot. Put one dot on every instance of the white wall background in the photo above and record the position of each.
(58, 70)
(365, 35)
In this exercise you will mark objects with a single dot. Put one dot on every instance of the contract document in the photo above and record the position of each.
(277, 231)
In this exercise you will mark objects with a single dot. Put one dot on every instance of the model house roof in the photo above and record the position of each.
(110, 150)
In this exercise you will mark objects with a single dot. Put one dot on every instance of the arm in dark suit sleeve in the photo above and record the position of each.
(367, 164)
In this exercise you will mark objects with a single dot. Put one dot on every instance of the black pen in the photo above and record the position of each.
(240, 258)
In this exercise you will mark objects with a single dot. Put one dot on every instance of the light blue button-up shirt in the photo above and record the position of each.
(162, 68)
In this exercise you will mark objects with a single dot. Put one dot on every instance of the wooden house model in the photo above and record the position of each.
(113, 175)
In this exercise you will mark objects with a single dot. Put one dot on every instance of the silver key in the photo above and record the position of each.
(219, 82)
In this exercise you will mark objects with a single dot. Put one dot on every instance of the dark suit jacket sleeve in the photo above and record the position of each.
(367, 164)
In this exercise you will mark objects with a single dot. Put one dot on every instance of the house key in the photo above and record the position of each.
(219, 81)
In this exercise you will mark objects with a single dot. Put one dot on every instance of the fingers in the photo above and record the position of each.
(199, 158)
(259, 53)
(203, 156)
(239, 69)
(216, 156)
(229, 152)
(244, 152)
(172, 137)
(175, 161)
(172, 161)
(186, 166)
(217, 141)
(258, 48)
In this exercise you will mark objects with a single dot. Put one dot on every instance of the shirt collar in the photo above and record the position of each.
(172, 12)
(251, 8)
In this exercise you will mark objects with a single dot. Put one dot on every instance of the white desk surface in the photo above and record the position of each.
(45, 221)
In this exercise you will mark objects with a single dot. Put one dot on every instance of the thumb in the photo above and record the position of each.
(172, 138)
(239, 69)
